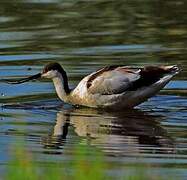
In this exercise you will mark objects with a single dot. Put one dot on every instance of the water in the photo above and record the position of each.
(84, 36)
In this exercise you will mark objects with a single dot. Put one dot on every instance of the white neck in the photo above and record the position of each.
(59, 86)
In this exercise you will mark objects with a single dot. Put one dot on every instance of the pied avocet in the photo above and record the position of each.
(113, 87)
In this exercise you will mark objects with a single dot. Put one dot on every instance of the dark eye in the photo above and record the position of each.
(45, 70)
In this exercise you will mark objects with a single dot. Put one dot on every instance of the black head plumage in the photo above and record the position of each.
(53, 66)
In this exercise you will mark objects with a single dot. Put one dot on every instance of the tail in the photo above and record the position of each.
(152, 74)
(159, 75)
(159, 71)
(174, 69)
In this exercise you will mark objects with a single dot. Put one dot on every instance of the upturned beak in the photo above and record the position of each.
(36, 76)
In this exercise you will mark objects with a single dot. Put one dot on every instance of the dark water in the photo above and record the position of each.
(84, 36)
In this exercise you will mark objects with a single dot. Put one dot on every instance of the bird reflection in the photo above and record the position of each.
(130, 132)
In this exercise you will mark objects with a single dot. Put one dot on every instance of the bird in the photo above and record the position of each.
(111, 87)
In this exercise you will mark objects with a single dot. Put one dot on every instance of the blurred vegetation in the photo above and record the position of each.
(24, 165)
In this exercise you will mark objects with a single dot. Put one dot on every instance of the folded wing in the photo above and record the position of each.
(115, 79)
(112, 80)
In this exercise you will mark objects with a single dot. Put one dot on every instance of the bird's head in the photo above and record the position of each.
(50, 71)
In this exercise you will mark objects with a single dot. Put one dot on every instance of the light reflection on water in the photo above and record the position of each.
(83, 38)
